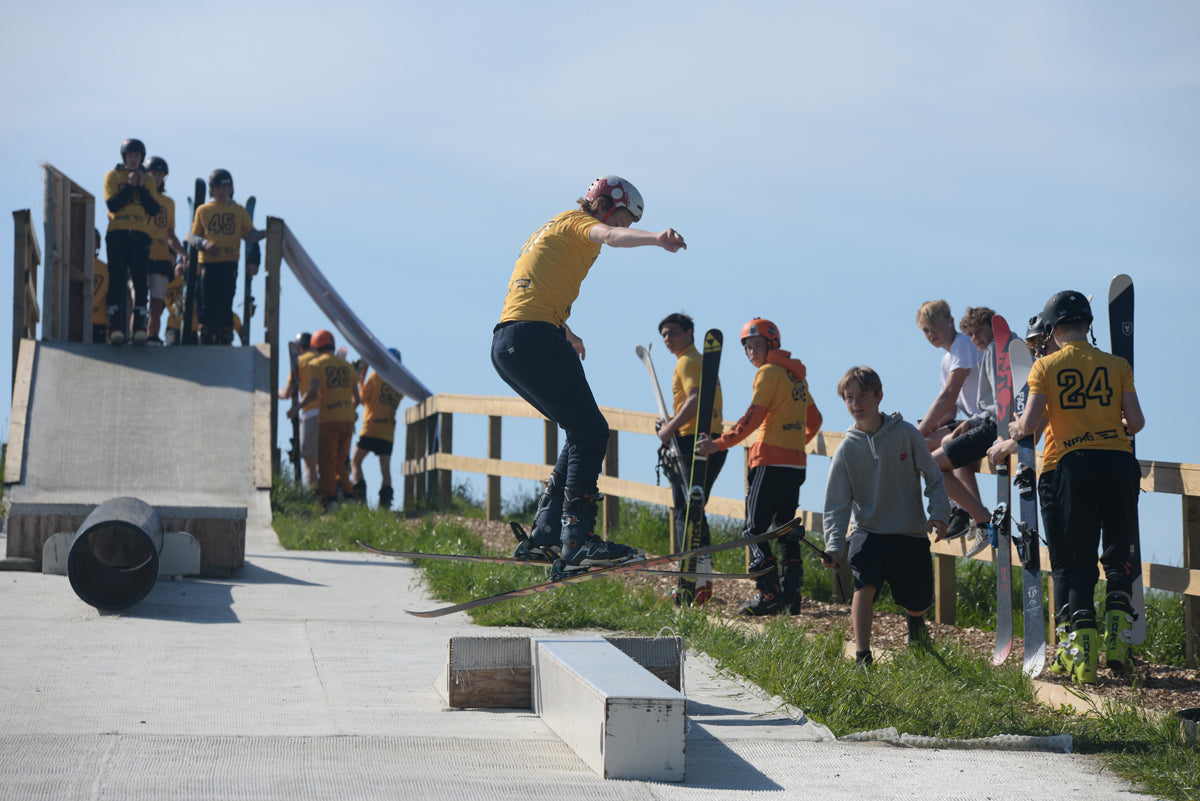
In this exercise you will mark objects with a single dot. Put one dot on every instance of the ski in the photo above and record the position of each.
(1027, 542)
(625, 567)
(999, 529)
(694, 533)
(253, 256)
(187, 336)
(294, 360)
(674, 451)
(1120, 334)
(512, 560)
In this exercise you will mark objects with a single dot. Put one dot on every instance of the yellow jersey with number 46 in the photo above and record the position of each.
(226, 224)
(1083, 387)
(548, 273)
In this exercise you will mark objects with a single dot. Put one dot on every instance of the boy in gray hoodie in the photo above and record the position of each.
(874, 489)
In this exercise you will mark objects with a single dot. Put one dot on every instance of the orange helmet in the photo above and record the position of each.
(321, 339)
(758, 327)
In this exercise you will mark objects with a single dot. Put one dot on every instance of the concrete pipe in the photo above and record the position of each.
(113, 560)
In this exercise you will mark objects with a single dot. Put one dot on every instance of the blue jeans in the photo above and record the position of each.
(538, 362)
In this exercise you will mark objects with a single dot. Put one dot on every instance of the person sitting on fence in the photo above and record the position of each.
(1089, 398)
(786, 417)
(874, 490)
(380, 402)
(537, 355)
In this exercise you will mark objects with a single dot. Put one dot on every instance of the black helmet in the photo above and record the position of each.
(220, 178)
(133, 146)
(156, 163)
(1036, 327)
(304, 339)
(1066, 306)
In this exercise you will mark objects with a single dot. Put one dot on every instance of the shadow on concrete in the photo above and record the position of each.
(712, 765)
(710, 715)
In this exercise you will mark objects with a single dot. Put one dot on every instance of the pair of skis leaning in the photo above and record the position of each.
(638, 565)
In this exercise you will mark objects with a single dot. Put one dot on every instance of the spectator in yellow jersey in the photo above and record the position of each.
(380, 402)
(678, 334)
(163, 243)
(132, 201)
(99, 296)
(784, 414)
(537, 355)
(307, 413)
(218, 230)
(1093, 409)
(331, 381)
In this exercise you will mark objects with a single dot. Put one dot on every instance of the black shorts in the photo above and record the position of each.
(376, 445)
(162, 267)
(968, 448)
(898, 559)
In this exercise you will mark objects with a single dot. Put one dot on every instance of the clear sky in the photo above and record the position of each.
(832, 165)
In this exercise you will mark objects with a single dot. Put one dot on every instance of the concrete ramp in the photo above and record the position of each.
(185, 429)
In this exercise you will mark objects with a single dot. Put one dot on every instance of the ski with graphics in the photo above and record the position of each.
(1028, 546)
(695, 533)
(624, 567)
(191, 284)
(999, 528)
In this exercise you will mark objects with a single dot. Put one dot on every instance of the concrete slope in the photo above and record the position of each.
(171, 426)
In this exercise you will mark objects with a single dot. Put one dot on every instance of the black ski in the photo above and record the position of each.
(1120, 334)
(511, 560)
(694, 532)
(627, 567)
(190, 282)
(1027, 542)
(253, 256)
(999, 529)
(294, 359)
(674, 454)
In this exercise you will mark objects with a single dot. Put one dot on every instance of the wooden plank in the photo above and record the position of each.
(612, 503)
(272, 261)
(14, 460)
(1191, 560)
(263, 444)
(493, 481)
(445, 445)
(945, 590)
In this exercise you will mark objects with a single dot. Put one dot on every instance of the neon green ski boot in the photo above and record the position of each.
(1083, 648)
(1062, 632)
(1118, 631)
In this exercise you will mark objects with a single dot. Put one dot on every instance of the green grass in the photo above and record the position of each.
(949, 694)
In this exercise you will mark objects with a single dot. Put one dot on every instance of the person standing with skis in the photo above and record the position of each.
(786, 417)
(1089, 399)
(163, 244)
(536, 354)
(132, 201)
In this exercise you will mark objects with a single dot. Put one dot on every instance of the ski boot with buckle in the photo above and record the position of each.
(1062, 631)
(581, 548)
(1083, 648)
(545, 541)
(792, 571)
(769, 600)
(1118, 630)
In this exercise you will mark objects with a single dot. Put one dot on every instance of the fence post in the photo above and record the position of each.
(945, 590)
(445, 445)
(493, 482)
(1191, 560)
(412, 435)
(612, 504)
(421, 477)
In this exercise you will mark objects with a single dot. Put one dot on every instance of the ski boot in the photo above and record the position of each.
(1118, 625)
(581, 548)
(769, 600)
(792, 570)
(116, 327)
(918, 634)
(139, 325)
(1062, 630)
(225, 337)
(360, 491)
(863, 659)
(545, 541)
(1083, 648)
(385, 497)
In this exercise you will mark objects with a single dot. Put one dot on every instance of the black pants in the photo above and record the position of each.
(680, 489)
(217, 288)
(1056, 541)
(128, 260)
(771, 500)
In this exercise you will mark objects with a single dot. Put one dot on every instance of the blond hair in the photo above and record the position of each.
(932, 313)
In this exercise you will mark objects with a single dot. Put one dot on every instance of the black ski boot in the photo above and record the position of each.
(545, 541)
(385, 497)
(918, 634)
(116, 326)
(792, 570)
(581, 548)
(360, 491)
(139, 325)
(768, 601)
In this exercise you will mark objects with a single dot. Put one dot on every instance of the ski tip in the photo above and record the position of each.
(518, 531)
(640, 351)
(418, 614)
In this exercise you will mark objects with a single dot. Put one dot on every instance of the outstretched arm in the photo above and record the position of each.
(669, 240)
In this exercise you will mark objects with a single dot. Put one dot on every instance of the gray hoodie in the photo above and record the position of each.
(875, 484)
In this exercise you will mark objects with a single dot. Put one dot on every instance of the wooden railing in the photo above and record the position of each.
(430, 461)
(26, 258)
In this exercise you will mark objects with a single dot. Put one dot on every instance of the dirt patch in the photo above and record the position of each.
(1161, 688)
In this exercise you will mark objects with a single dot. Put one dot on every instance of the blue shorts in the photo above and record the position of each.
(898, 559)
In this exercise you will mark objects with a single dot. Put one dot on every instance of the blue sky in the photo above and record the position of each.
(832, 165)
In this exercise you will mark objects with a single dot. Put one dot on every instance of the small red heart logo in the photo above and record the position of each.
(903, 456)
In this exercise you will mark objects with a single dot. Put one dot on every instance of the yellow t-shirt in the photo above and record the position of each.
(173, 300)
(781, 437)
(99, 293)
(1083, 387)
(305, 378)
(161, 225)
(552, 265)
(380, 402)
(687, 378)
(335, 387)
(225, 224)
(132, 216)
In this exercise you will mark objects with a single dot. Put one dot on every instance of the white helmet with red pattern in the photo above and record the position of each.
(622, 193)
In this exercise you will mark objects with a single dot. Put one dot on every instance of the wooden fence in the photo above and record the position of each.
(430, 461)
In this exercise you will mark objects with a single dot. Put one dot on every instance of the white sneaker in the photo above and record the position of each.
(977, 539)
